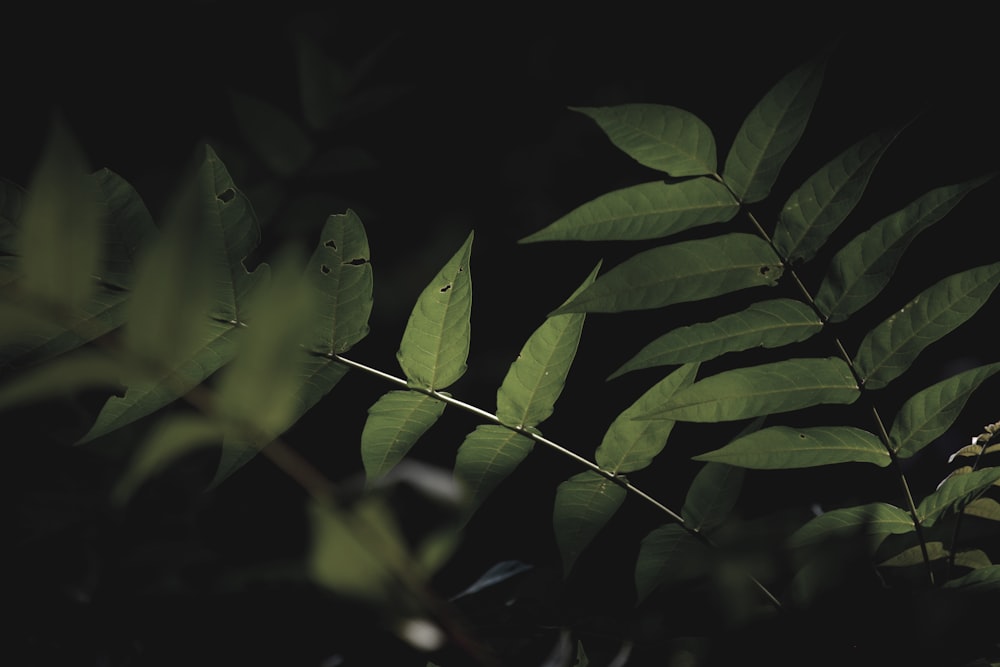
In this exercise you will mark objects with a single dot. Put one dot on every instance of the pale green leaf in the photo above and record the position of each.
(986, 579)
(954, 492)
(771, 131)
(984, 508)
(766, 324)
(395, 423)
(712, 496)
(781, 386)
(929, 413)
(536, 378)
(890, 348)
(584, 504)
(668, 555)
(645, 211)
(862, 268)
(781, 447)
(661, 137)
(435, 344)
(60, 225)
(875, 520)
(487, 456)
(340, 272)
(276, 138)
(820, 204)
(681, 272)
(630, 444)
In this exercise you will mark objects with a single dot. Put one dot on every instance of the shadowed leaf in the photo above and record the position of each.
(487, 456)
(780, 447)
(875, 520)
(584, 504)
(668, 555)
(712, 496)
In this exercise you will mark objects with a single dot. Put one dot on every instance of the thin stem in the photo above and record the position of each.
(981, 441)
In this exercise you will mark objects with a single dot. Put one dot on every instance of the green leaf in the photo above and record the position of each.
(986, 579)
(766, 389)
(487, 456)
(771, 131)
(277, 139)
(435, 343)
(395, 423)
(340, 272)
(955, 491)
(668, 555)
(80, 370)
(890, 348)
(914, 556)
(781, 447)
(630, 444)
(535, 379)
(645, 211)
(128, 228)
(862, 268)
(929, 413)
(984, 508)
(686, 271)
(712, 496)
(820, 204)
(60, 225)
(584, 504)
(766, 324)
(875, 520)
(661, 137)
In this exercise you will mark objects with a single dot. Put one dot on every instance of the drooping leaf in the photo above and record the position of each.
(435, 343)
(820, 204)
(955, 492)
(765, 324)
(59, 241)
(340, 273)
(487, 456)
(535, 379)
(645, 211)
(875, 520)
(771, 131)
(863, 267)
(766, 389)
(584, 504)
(929, 413)
(273, 135)
(661, 137)
(781, 447)
(630, 444)
(395, 423)
(712, 496)
(890, 348)
(685, 271)
(668, 555)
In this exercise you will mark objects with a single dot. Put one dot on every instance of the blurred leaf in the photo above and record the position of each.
(646, 211)
(771, 131)
(661, 137)
(766, 389)
(435, 344)
(874, 520)
(668, 555)
(766, 324)
(323, 82)
(584, 504)
(61, 377)
(487, 456)
(685, 271)
(890, 348)
(780, 447)
(712, 496)
(395, 423)
(274, 136)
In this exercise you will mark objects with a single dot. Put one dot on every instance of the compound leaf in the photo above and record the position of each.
(781, 447)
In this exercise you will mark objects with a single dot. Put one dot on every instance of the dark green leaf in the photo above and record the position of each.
(875, 520)
(584, 504)
(487, 456)
(276, 138)
(712, 496)
(780, 447)
(668, 555)
(395, 423)
(954, 492)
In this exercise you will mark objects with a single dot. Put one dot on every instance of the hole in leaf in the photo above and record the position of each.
(226, 195)
(446, 288)
(357, 261)
(331, 244)
(764, 270)
(802, 436)
(324, 268)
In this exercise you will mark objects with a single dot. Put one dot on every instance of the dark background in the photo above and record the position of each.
(478, 136)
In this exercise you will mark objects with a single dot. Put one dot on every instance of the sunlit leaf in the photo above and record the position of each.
(630, 444)
(890, 348)
(487, 456)
(584, 504)
(435, 343)
(276, 138)
(863, 267)
(929, 413)
(646, 211)
(662, 137)
(668, 555)
(686, 271)
(984, 508)
(766, 389)
(954, 492)
(712, 496)
(780, 447)
(537, 376)
(765, 324)
(771, 131)
(875, 520)
(395, 423)
(820, 204)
